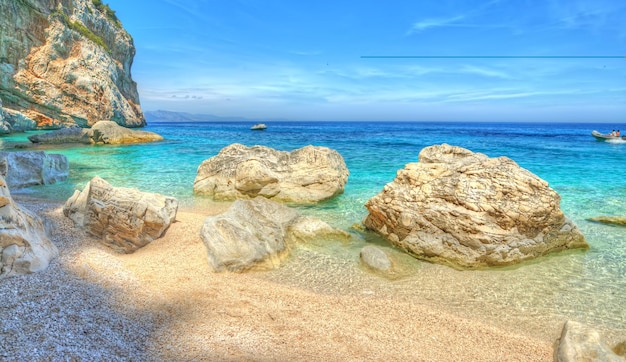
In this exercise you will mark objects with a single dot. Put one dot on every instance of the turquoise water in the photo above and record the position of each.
(589, 175)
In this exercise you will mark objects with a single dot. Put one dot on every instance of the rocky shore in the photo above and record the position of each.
(163, 302)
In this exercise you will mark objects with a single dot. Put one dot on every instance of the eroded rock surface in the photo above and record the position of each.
(103, 132)
(257, 234)
(28, 168)
(125, 219)
(306, 175)
(65, 63)
(465, 209)
(24, 245)
(581, 343)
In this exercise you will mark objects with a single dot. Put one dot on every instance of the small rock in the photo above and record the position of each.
(375, 258)
(581, 343)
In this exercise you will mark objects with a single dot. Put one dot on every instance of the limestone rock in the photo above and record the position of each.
(125, 219)
(581, 343)
(103, 132)
(62, 136)
(464, 209)
(306, 175)
(24, 245)
(66, 63)
(375, 258)
(108, 132)
(27, 168)
(257, 234)
(610, 220)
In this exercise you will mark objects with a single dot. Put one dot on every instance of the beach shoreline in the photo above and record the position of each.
(163, 303)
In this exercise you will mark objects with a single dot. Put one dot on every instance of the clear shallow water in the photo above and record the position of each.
(589, 175)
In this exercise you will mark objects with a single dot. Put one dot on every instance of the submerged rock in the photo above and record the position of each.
(62, 136)
(375, 258)
(28, 168)
(467, 210)
(24, 245)
(257, 234)
(610, 220)
(125, 219)
(306, 175)
(581, 343)
(103, 132)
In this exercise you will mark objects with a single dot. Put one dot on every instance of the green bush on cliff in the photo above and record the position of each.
(110, 13)
(81, 29)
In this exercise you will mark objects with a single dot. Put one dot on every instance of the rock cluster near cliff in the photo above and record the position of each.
(125, 219)
(103, 132)
(257, 234)
(65, 63)
(28, 168)
(465, 209)
(306, 175)
(24, 245)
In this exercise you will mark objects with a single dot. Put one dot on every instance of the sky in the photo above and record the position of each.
(303, 59)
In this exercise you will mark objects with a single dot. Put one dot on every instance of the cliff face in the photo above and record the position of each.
(65, 63)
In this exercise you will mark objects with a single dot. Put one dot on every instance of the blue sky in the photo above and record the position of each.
(301, 60)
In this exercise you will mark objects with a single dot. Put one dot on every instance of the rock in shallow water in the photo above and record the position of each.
(28, 168)
(125, 219)
(375, 258)
(24, 245)
(610, 220)
(103, 132)
(467, 210)
(257, 234)
(581, 343)
(306, 175)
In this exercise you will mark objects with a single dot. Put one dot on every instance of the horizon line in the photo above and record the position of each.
(493, 56)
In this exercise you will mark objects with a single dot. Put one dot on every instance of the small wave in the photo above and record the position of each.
(616, 141)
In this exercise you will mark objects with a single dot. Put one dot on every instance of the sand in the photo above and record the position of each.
(163, 303)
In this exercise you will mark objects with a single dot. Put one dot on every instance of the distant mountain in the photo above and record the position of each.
(169, 116)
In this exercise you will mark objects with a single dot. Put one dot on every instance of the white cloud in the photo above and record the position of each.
(434, 23)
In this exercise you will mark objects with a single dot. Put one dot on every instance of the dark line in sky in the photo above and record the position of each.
(493, 56)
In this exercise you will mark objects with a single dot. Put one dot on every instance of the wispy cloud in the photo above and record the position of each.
(434, 23)
(453, 20)
(306, 53)
(485, 72)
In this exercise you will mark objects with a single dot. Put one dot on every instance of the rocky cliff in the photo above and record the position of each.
(65, 63)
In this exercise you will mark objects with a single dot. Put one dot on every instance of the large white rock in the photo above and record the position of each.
(306, 175)
(465, 209)
(28, 168)
(125, 219)
(257, 234)
(24, 245)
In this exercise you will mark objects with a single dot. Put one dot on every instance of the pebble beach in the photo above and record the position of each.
(163, 303)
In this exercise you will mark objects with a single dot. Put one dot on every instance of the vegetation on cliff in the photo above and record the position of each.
(110, 13)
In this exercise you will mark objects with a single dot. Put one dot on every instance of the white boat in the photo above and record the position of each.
(259, 127)
(606, 136)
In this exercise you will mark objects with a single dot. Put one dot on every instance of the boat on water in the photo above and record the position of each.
(259, 127)
(606, 136)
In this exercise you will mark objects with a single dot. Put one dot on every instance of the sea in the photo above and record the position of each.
(588, 286)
